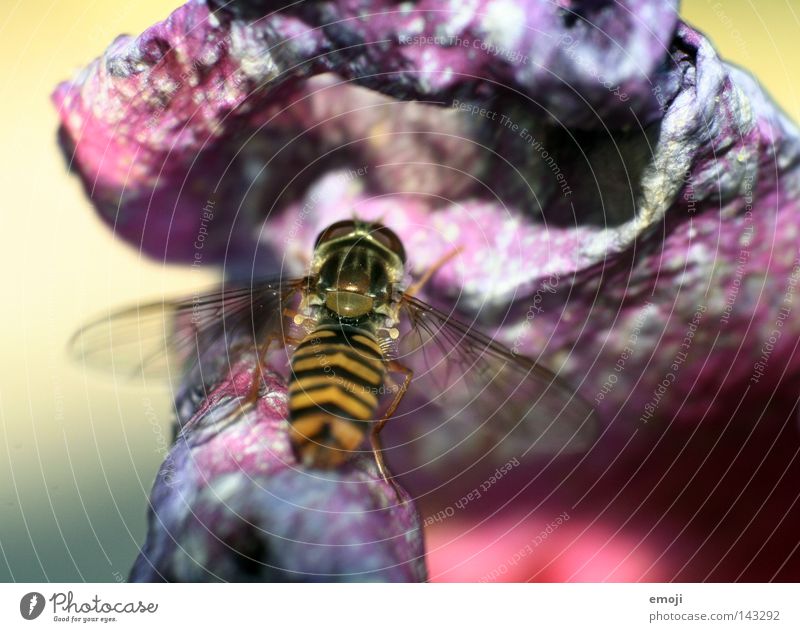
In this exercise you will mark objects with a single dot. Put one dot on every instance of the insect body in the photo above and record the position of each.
(339, 367)
(350, 330)
(337, 373)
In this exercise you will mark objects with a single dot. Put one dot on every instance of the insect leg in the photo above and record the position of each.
(258, 372)
(374, 437)
(414, 288)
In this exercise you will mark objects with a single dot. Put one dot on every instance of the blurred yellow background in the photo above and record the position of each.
(77, 453)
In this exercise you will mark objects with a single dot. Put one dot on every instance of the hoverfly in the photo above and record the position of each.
(349, 331)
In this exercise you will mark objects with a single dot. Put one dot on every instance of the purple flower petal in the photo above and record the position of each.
(626, 208)
(231, 503)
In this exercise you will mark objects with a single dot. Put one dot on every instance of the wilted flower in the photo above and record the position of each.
(625, 204)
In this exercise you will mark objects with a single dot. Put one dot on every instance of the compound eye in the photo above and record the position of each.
(336, 230)
(389, 239)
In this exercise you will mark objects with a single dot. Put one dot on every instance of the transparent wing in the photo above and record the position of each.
(470, 377)
(172, 337)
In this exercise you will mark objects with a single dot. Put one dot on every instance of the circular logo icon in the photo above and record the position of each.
(31, 605)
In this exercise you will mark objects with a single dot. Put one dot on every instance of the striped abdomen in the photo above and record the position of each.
(337, 374)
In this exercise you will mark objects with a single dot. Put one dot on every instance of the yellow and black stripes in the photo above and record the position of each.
(337, 373)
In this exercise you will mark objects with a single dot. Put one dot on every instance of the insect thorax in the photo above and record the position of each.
(356, 277)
